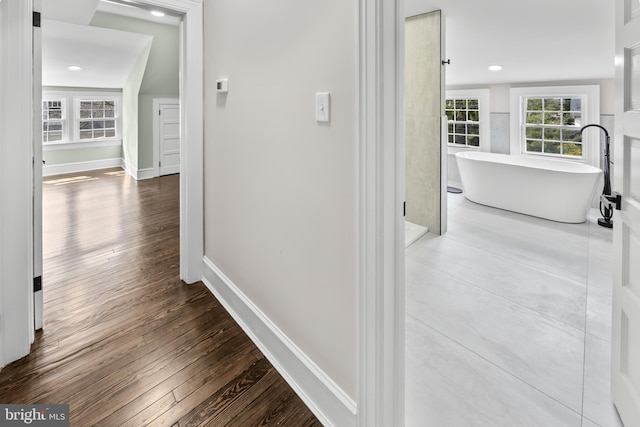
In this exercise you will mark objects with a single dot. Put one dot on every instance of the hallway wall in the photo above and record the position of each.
(280, 188)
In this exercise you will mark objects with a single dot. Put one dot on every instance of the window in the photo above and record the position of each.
(464, 121)
(71, 117)
(546, 121)
(552, 126)
(53, 120)
(96, 119)
(468, 119)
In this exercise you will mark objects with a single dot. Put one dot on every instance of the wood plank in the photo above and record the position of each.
(125, 341)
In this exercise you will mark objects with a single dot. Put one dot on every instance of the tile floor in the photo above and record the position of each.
(508, 322)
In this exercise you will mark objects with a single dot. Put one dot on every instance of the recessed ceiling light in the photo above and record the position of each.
(74, 67)
(495, 67)
(157, 13)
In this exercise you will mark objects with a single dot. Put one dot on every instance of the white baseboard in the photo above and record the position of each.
(138, 174)
(49, 170)
(330, 404)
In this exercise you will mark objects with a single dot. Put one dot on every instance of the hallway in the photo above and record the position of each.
(125, 342)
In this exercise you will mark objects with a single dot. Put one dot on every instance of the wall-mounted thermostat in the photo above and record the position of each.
(222, 85)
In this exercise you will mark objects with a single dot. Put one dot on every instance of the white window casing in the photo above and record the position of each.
(590, 113)
(72, 136)
(483, 97)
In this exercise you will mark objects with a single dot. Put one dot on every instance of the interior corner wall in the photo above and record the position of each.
(280, 188)
(423, 118)
(160, 79)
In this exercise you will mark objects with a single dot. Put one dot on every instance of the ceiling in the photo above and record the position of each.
(106, 56)
(534, 41)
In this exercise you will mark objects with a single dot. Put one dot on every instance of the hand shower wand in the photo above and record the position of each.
(607, 211)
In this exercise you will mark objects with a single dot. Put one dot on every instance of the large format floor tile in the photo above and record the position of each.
(509, 322)
(544, 353)
(448, 385)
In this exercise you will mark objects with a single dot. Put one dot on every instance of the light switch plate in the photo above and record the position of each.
(322, 107)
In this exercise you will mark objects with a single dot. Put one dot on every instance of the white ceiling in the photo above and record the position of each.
(106, 56)
(535, 41)
(541, 40)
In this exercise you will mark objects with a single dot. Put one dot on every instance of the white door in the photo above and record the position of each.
(167, 131)
(37, 169)
(625, 355)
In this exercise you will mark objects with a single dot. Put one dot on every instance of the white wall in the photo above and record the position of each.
(280, 188)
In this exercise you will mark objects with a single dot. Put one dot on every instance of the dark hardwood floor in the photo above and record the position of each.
(125, 342)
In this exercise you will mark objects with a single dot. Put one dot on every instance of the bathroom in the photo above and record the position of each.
(491, 295)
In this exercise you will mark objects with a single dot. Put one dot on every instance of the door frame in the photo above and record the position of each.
(16, 181)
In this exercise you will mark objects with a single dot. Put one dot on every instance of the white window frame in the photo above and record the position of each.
(98, 97)
(484, 111)
(64, 119)
(71, 136)
(590, 95)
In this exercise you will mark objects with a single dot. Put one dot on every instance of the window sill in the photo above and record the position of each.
(81, 144)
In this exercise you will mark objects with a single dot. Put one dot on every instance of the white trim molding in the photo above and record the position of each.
(192, 135)
(330, 404)
(380, 221)
(484, 97)
(16, 180)
(49, 170)
(590, 114)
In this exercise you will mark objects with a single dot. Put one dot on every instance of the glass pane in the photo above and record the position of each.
(85, 114)
(534, 104)
(450, 115)
(534, 118)
(55, 126)
(570, 149)
(534, 146)
(110, 124)
(55, 114)
(552, 118)
(450, 139)
(98, 124)
(473, 116)
(97, 105)
(571, 135)
(552, 147)
(85, 125)
(461, 139)
(98, 134)
(448, 104)
(461, 128)
(109, 113)
(109, 105)
(571, 104)
(109, 133)
(472, 104)
(552, 104)
(85, 105)
(473, 129)
(461, 104)
(569, 119)
(86, 134)
(98, 114)
(461, 116)
(552, 134)
(534, 133)
(55, 136)
(450, 127)
(474, 141)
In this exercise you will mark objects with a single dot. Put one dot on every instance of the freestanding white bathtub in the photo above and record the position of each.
(558, 190)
